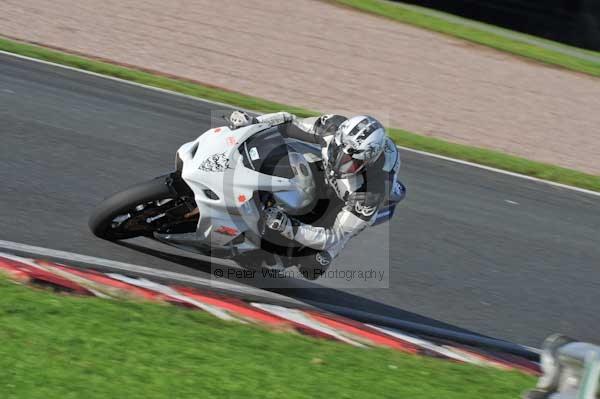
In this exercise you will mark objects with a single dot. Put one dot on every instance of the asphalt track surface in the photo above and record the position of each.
(491, 253)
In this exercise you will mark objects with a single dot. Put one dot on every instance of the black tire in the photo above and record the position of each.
(100, 221)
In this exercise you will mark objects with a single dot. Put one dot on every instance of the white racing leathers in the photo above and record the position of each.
(362, 194)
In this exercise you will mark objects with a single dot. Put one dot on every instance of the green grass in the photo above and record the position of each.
(412, 16)
(56, 346)
(478, 155)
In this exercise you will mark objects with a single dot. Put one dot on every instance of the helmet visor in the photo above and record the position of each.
(341, 161)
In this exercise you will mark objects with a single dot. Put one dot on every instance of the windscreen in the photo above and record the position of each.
(267, 152)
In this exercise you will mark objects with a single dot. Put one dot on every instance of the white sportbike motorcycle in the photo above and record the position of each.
(213, 203)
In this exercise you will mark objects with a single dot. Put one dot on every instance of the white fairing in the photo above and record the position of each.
(213, 162)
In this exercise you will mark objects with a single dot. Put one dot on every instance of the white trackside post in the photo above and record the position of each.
(571, 370)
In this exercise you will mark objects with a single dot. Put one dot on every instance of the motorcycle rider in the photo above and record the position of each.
(360, 164)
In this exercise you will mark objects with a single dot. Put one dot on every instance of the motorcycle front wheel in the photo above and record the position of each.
(131, 213)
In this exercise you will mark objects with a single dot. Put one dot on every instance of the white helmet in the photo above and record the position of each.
(358, 142)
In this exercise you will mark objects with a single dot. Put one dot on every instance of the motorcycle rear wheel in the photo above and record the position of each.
(112, 219)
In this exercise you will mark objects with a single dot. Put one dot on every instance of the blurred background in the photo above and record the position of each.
(574, 22)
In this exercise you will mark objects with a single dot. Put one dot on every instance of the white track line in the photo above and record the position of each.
(229, 106)
(124, 81)
(504, 172)
(136, 269)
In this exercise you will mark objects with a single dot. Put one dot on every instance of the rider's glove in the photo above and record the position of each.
(277, 220)
(239, 119)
